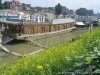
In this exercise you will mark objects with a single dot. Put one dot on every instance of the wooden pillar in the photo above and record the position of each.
(49, 28)
(2, 26)
(22, 28)
(43, 29)
(19, 29)
(33, 29)
(54, 28)
(10, 27)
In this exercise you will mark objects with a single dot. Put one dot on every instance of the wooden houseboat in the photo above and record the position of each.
(11, 30)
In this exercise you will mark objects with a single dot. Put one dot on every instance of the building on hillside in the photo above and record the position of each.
(50, 16)
(86, 18)
(16, 5)
(12, 15)
(8, 15)
(38, 17)
(42, 16)
(24, 16)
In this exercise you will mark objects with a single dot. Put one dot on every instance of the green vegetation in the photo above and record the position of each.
(58, 9)
(84, 12)
(82, 55)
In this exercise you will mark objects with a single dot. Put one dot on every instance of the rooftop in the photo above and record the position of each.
(9, 22)
(60, 21)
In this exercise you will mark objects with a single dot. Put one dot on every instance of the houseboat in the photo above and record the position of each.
(11, 30)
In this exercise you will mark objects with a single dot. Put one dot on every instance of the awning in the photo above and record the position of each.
(80, 23)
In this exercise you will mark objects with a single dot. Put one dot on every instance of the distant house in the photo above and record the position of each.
(86, 18)
(16, 5)
(11, 15)
(8, 15)
(42, 16)
(50, 16)
(38, 17)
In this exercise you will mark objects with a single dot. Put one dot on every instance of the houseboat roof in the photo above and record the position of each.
(6, 10)
(60, 21)
(9, 22)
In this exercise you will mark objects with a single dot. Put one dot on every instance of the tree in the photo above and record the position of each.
(71, 12)
(58, 9)
(6, 5)
(84, 12)
(1, 5)
(90, 12)
(64, 10)
(81, 12)
(0, 1)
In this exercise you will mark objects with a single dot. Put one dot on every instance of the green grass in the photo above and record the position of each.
(55, 60)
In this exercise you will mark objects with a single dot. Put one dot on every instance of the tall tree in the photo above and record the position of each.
(58, 9)
(71, 12)
(81, 12)
(1, 5)
(90, 12)
(6, 5)
(64, 10)
(84, 12)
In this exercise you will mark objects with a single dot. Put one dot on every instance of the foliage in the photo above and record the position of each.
(0, 1)
(64, 10)
(82, 56)
(84, 12)
(6, 5)
(1, 5)
(58, 9)
(88, 63)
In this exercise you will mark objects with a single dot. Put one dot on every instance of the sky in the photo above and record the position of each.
(71, 4)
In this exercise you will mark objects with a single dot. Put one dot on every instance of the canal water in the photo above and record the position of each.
(25, 47)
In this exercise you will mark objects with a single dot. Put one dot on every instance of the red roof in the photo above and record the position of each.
(14, 12)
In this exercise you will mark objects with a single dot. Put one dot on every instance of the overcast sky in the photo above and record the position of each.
(71, 4)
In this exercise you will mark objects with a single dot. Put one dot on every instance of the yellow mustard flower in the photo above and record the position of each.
(39, 67)
(88, 59)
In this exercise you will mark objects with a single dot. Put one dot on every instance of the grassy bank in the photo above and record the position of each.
(55, 60)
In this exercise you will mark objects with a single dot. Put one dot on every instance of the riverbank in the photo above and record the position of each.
(48, 41)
